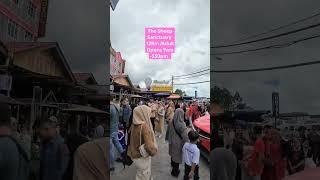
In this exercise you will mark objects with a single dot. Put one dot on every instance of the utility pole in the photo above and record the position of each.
(275, 107)
(172, 83)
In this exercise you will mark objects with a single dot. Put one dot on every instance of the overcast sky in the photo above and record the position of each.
(298, 87)
(80, 28)
(192, 23)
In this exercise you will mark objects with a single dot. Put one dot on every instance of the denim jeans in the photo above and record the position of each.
(111, 154)
(114, 142)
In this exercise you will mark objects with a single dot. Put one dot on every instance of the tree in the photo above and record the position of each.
(225, 99)
(184, 93)
(180, 92)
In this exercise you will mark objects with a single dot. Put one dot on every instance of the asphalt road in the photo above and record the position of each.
(161, 167)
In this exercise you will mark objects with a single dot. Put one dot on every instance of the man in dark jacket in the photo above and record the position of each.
(13, 159)
(126, 114)
(54, 153)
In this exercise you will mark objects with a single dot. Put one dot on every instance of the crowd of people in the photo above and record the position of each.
(47, 151)
(60, 157)
(135, 128)
(264, 153)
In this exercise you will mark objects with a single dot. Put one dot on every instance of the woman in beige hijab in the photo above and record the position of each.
(160, 120)
(142, 134)
(170, 111)
(91, 161)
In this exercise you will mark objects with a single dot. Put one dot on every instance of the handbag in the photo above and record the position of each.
(142, 149)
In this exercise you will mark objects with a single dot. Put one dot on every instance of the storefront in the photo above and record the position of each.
(122, 86)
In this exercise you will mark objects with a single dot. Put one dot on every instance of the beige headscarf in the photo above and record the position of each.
(171, 104)
(91, 160)
(161, 110)
(141, 115)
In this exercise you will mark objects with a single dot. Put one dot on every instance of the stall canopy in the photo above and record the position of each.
(135, 96)
(174, 96)
(9, 100)
(162, 94)
(79, 109)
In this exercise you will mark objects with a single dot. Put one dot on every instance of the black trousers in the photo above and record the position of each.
(175, 168)
(153, 122)
(187, 170)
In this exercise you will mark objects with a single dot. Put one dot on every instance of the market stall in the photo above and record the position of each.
(83, 118)
(174, 96)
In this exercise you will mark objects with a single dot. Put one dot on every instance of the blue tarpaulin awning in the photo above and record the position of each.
(162, 94)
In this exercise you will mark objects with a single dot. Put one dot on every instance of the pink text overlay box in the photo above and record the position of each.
(159, 38)
(160, 56)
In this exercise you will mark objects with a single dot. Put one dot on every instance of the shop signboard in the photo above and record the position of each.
(161, 88)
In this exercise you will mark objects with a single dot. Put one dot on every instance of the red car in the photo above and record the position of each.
(202, 125)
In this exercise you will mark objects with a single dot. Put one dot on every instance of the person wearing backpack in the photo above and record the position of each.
(54, 153)
(14, 162)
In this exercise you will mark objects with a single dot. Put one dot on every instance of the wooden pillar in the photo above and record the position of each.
(18, 113)
(77, 124)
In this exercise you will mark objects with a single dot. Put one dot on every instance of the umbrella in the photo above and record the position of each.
(309, 174)
(162, 94)
(174, 96)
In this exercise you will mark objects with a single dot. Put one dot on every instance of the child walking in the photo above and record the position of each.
(191, 155)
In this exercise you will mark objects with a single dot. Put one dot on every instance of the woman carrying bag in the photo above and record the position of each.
(143, 144)
(160, 120)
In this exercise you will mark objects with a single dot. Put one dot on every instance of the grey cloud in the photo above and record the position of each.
(127, 36)
(81, 30)
(298, 86)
